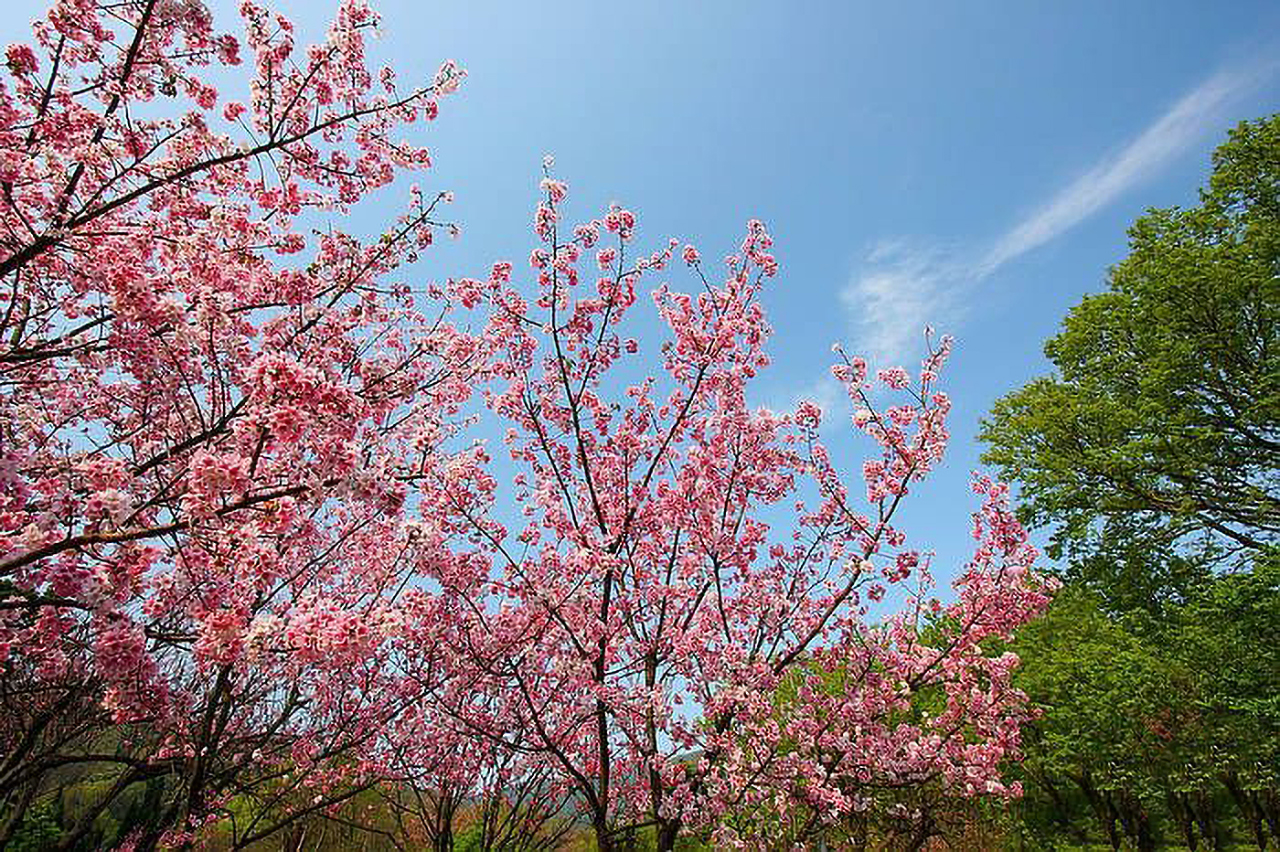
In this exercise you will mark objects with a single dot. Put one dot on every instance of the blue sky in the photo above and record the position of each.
(970, 165)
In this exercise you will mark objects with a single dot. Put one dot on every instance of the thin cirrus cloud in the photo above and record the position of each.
(903, 285)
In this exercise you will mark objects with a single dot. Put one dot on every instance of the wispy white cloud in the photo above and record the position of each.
(900, 287)
(1142, 158)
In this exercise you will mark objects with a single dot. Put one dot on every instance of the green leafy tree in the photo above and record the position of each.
(1111, 707)
(1155, 733)
(1151, 456)
(1160, 432)
(1228, 634)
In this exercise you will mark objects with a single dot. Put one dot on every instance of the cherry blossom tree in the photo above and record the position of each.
(252, 548)
(212, 406)
(685, 556)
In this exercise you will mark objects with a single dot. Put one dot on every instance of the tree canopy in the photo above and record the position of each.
(258, 570)
(1152, 456)
(1161, 426)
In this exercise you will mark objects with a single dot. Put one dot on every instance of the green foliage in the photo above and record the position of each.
(1106, 696)
(1168, 728)
(469, 839)
(1230, 632)
(1107, 701)
(39, 829)
(1151, 456)
(1161, 430)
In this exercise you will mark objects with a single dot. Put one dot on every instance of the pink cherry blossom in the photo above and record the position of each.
(205, 462)
(651, 612)
(257, 524)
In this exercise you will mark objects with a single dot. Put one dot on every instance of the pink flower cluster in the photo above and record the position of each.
(243, 501)
(650, 612)
(213, 411)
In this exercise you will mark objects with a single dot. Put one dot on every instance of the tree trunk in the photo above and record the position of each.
(668, 831)
(1248, 808)
(1180, 809)
(13, 820)
(1269, 804)
(1146, 840)
(1207, 819)
(1061, 811)
(1136, 820)
(1102, 810)
(922, 834)
(604, 841)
